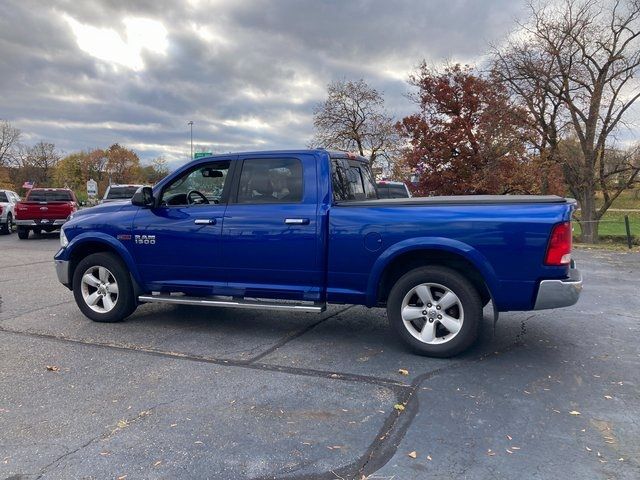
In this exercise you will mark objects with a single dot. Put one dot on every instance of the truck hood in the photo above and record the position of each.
(104, 208)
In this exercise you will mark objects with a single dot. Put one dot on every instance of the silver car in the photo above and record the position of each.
(8, 200)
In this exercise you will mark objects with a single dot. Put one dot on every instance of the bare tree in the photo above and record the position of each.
(9, 139)
(353, 117)
(573, 67)
(36, 162)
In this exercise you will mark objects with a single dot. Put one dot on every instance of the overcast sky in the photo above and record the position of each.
(85, 74)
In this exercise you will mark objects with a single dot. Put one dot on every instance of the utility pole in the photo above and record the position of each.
(190, 123)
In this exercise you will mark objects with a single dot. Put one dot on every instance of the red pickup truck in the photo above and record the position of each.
(44, 209)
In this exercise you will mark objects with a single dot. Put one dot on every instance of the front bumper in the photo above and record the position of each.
(559, 293)
(62, 270)
(40, 223)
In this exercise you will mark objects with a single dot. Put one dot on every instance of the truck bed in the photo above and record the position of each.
(459, 200)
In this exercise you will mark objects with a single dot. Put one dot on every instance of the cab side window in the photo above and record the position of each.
(351, 180)
(201, 186)
(271, 180)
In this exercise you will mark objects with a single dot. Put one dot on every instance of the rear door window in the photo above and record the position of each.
(352, 180)
(271, 180)
(3, 197)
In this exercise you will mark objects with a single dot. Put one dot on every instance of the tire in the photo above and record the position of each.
(106, 270)
(6, 228)
(423, 327)
(23, 233)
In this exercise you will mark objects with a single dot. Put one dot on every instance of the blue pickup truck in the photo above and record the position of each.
(297, 230)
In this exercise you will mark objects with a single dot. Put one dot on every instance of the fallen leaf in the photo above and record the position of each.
(53, 368)
(588, 449)
(402, 371)
(412, 454)
(608, 397)
(399, 407)
(122, 423)
(621, 459)
(173, 425)
(429, 457)
(157, 463)
(574, 412)
(490, 453)
(509, 437)
(122, 477)
(515, 448)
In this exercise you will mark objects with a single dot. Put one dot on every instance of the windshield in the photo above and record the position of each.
(352, 180)
(50, 196)
(121, 193)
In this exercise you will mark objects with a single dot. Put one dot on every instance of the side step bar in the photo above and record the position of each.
(215, 302)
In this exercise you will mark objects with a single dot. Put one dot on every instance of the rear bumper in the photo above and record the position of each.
(559, 293)
(62, 271)
(40, 223)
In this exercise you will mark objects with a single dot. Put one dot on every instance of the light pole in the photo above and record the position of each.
(190, 123)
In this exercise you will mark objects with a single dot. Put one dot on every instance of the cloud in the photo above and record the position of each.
(87, 74)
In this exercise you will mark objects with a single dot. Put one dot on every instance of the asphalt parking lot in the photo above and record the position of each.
(186, 392)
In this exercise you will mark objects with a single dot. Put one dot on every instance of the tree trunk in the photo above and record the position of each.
(588, 221)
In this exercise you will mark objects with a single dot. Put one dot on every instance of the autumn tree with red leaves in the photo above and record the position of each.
(468, 137)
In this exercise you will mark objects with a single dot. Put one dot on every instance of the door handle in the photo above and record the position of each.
(296, 221)
(205, 221)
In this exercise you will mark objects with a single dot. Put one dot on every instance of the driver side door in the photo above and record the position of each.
(177, 244)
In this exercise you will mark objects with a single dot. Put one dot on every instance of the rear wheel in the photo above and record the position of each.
(23, 233)
(7, 227)
(435, 310)
(103, 289)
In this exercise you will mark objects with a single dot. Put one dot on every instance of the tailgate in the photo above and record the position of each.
(43, 210)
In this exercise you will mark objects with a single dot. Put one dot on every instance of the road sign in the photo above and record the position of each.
(202, 154)
(92, 188)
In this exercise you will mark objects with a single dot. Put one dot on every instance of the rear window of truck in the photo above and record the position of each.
(121, 193)
(50, 196)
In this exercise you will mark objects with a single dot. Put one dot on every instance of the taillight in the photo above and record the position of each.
(559, 248)
(0, 210)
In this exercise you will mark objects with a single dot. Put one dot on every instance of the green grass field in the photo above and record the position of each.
(612, 223)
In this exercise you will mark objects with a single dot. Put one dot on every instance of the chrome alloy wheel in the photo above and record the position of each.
(99, 289)
(432, 313)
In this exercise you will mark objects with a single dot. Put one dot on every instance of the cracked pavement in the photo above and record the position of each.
(183, 392)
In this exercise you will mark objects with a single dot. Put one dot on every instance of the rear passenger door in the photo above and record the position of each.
(270, 238)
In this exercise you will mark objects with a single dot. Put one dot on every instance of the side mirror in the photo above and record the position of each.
(143, 198)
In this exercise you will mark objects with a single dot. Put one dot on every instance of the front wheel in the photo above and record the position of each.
(435, 310)
(103, 289)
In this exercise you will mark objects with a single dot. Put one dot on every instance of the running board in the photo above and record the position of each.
(213, 302)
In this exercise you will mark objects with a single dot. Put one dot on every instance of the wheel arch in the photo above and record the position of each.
(405, 256)
(86, 244)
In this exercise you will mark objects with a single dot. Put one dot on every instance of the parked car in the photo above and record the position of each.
(117, 192)
(44, 209)
(297, 230)
(8, 200)
(389, 189)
